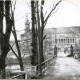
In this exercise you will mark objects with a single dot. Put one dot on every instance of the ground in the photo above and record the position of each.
(63, 68)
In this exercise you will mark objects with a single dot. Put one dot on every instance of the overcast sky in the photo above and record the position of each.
(67, 14)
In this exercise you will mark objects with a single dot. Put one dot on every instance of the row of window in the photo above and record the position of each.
(60, 41)
(65, 41)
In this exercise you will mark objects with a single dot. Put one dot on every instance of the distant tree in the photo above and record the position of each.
(26, 37)
(75, 31)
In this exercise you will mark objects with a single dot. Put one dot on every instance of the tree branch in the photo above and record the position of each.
(52, 11)
(9, 45)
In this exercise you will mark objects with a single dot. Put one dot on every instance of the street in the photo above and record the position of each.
(63, 68)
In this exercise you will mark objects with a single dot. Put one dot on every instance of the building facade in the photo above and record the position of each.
(63, 38)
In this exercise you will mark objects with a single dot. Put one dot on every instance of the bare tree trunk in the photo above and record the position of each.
(5, 43)
(1, 30)
(18, 49)
(34, 35)
(1, 24)
(16, 41)
(42, 29)
(39, 37)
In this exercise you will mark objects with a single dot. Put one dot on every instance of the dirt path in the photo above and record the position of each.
(63, 68)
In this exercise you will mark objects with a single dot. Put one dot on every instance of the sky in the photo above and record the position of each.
(67, 14)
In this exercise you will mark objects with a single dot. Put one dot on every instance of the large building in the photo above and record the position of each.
(63, 38)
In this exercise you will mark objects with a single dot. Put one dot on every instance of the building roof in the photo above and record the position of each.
(63, 30)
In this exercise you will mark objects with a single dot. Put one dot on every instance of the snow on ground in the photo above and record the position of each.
(63, 68)
(62, 54)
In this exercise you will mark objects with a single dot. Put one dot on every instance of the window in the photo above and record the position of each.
(56, 41)
(73, 40)
(64, 40)
(61, 40)
(68, 40)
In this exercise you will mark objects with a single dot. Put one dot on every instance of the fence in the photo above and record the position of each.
(44, 65)
(21, 76)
